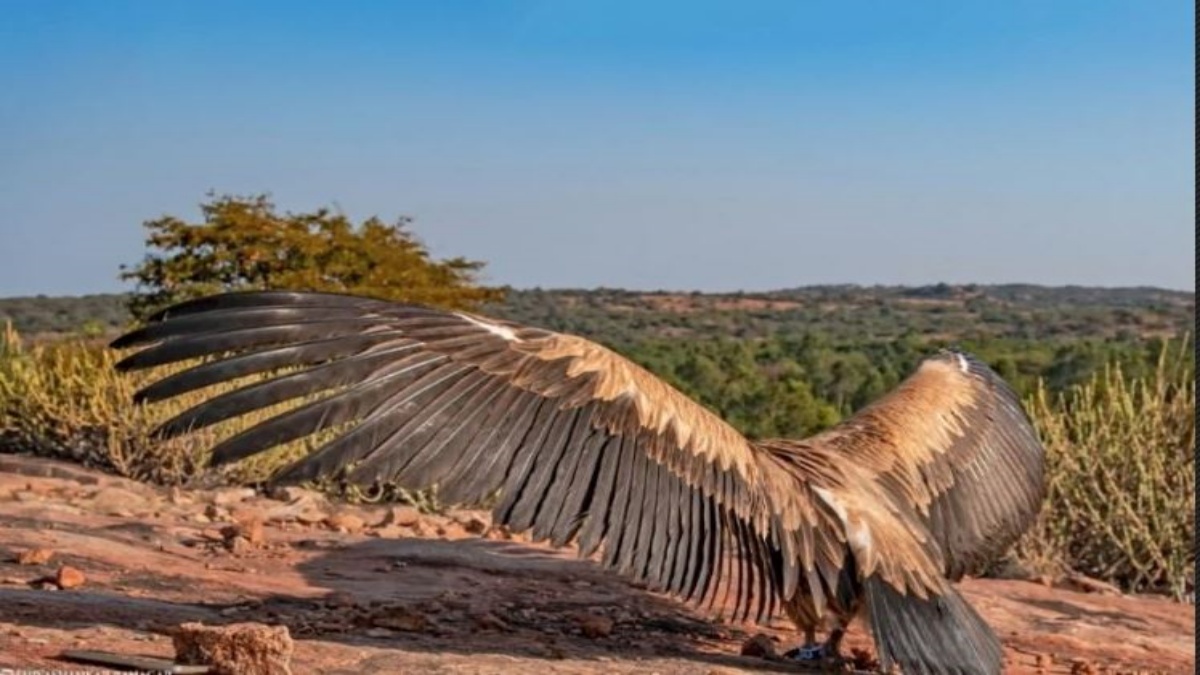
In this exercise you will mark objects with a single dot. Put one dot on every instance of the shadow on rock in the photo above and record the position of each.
(485, 596)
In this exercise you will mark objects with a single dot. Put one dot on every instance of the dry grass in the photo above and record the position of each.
(1122, 488)
(66, 399)
(1122, 477)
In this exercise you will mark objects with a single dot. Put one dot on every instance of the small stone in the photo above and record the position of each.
(1082, 667)
(475, 525)
(402, 516)
(245, 513)
(251, 531)
(254, 532)
(238, 545)
(760, 646)
(235, 649)
(229, 496)
(68, 577)
(379, 633)
(593, 626)
(35, 556)
(345, 522)
(863, 660)
(311, 517)
(291, 493)
(500, 532)
(391, 532)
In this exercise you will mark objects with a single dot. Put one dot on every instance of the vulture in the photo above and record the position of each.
(875, 517)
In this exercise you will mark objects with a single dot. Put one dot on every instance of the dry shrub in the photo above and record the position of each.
(1122, 479)
(65, 399)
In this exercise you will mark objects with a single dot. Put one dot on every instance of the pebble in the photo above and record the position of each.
(593, 626)
(345, 522)
(759, 645)
(35, 556)
(402, 516)
(68, 577)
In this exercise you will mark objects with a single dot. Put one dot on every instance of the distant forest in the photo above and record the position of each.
(793, 361)
(619, 317)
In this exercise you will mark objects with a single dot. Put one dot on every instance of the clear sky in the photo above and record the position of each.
(681, 145)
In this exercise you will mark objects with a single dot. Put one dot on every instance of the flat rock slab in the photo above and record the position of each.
(422, 594)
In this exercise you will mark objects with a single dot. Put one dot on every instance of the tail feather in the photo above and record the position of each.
(939, 635)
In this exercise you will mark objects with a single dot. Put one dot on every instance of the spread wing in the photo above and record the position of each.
(581, 443)
(953, 442)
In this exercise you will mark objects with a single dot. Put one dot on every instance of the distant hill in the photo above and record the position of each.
(615, 316)
(940, 312)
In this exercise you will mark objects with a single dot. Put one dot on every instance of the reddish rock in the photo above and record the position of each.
(391, 532)
(252, 532)
(593, 626)
(347, 523)
(861, 659)
(35, 556)
(474, 523)
(1082, 667)
(759, 646)
(402, 516)
(235, 649)
(238, 545)
(536, 591)
(68, 577)
(310, 517)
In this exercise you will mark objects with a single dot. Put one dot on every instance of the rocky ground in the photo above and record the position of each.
(89, 561)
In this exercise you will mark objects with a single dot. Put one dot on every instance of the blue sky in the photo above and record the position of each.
(681, 145)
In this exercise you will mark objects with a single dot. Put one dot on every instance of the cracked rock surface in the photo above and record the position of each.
(387, 589)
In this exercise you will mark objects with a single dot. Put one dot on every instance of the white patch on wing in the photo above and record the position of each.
(962, 363)
(859, 535)
(502, 331)
(827, 497)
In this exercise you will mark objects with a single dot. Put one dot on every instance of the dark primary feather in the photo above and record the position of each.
(944, 630)
(584, 445)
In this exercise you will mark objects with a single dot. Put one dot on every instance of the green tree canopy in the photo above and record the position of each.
(243, 243)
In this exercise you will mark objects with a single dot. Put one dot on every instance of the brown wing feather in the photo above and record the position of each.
(953, 442)
(580, 442)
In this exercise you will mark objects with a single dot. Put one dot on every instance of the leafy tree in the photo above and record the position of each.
(243, 243)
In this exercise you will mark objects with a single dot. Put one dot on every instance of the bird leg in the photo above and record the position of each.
(831, 650)
(828, 653)
(811, 650)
